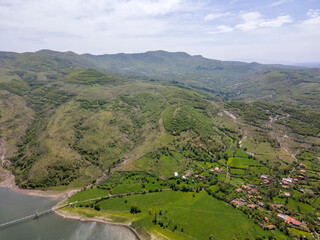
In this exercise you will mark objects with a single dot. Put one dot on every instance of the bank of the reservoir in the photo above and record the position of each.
(15, 205)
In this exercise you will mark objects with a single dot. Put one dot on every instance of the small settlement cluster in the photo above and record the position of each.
(254, 198)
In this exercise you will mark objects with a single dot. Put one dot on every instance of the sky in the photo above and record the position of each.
(266, 31)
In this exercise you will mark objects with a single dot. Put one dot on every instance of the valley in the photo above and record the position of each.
(174, 146)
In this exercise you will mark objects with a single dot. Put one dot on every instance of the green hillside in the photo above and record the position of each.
(168, 124)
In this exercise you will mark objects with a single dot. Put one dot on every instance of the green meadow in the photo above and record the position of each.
(189, 215)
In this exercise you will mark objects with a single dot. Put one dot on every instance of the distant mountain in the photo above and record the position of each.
(309, 65)
(219, 80)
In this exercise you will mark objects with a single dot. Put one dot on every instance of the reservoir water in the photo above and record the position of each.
(50, 227)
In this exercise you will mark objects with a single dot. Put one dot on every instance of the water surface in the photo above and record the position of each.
(50, 227)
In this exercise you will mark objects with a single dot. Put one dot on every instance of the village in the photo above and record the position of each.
(284, 203)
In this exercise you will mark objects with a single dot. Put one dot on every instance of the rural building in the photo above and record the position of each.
(287, 194)
(238, 202)
(295, 222)
(263, 176)
(276, 205)
(252, 206)
(261, 204)
(302, 166)
(288, 180)
(176, 174)
(289, 220)
(271, 227)
(266, 181)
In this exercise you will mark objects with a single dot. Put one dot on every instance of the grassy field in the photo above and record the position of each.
(88, 194)
(300, 234)
(185, 214)
(238, 162)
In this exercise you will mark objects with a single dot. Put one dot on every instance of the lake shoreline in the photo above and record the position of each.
(78, 217)
(10, 183)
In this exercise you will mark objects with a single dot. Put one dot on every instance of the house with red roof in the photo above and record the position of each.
(271, 227)
(289, 220)
(252, 206)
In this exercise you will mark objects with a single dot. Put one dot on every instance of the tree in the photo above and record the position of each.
(211, 237)
(97, 207)
(134, 209)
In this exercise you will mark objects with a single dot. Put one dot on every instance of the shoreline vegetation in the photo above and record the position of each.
(10, 183)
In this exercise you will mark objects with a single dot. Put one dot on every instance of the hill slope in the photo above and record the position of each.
(219, 80)
(131, 123)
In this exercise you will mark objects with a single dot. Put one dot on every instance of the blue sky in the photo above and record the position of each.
(278, 31)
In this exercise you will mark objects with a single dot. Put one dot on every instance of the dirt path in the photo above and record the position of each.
(293, 169)
(157, 235)
(228, 175)
(230, 115)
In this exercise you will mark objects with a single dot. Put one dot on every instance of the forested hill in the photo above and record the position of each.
(66, 119)
(219, 80)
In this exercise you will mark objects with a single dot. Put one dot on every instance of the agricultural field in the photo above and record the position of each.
(189, 215)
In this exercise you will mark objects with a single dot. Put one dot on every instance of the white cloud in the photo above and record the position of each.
(313, 13)
(254, 20)
(277, 3)
(311, 26)
(82, 18)
(213, 16)
(222, 29)
(112, 26)
(278, 22)
(251, 21)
